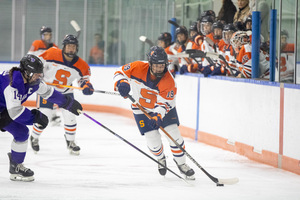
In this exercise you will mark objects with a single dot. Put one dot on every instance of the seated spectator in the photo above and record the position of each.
(97, 51)
(287, 58)
(227, 11)
(243, 11)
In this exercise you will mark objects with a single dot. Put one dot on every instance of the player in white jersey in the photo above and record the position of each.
(63, 67)
(154, 88)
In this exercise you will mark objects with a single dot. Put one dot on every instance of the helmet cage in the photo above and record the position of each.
(70, 39)
(238, 39)
(157, 55)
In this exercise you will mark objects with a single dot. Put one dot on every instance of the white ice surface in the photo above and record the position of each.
(108, 168)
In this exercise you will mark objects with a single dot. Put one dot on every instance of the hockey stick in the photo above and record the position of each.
(146, 40)
(219, 182)
(136, 148)
(80, 88)
(76, 27)
(173, 23)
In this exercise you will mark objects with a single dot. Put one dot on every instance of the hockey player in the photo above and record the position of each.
(186, 64)
(63, 67)
(37, 48)
(154, 88)
(16, 85)
(165, 41)
(240, 41)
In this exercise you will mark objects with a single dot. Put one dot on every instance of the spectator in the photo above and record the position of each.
(227, 11)
(97, 51)
(243, 12)
(264, 9)
(286, 58)
(114, 51)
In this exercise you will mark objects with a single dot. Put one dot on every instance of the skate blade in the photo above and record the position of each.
(17, 177)
(190, 178)
(75, 153)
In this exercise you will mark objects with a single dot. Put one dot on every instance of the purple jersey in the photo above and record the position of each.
(14, 94)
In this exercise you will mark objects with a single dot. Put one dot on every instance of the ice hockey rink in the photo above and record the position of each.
(108, 168)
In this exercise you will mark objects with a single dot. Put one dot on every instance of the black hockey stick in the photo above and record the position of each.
(219, 182)
(136, 148)
(173, 23)
(76, 27)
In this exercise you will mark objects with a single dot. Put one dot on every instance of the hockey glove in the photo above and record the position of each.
(39, 118)
(72, 105)
(155, 121)
(87, 88)
(123, 88)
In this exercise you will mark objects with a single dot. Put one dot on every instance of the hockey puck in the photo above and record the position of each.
(220, 184)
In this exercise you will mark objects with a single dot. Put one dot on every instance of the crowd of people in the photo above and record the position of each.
(225, 41)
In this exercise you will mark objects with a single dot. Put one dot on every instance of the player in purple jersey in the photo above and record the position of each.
(16, 85)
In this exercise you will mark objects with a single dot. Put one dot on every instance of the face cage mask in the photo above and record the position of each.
(227, 41)
(205, 32)
(28, 77)
(47, 41)
(159, 75)
(71, 55)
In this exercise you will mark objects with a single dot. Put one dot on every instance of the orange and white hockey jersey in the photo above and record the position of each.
(57, 70)
(38, 47)
(244, 61)
(154, 95)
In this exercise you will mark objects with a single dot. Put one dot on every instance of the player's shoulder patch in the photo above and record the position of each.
(245, 58)
(126, 67)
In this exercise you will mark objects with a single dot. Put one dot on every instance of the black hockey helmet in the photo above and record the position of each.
(30, 65)
(239, 25)
(217, 24)
(248, 19)
(166, 37)
(208, 13)
(226, 29)
(183, 30)
(45, 29)
(193, 27)
(70, 39)
(205, 20)
(157, 55)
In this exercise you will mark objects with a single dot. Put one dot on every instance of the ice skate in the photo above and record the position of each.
(73, 148)
(186, 170)
(162, 170)
(18, 172)
(34, 144)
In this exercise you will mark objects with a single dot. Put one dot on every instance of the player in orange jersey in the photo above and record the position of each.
(39, 46)
(154, 88)
(63, 67)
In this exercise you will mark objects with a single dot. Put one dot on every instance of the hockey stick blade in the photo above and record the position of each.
(173, 23)
(146, 40)
(229, 181)
(76, 27)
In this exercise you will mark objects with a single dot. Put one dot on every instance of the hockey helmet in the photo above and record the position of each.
(166, 38)
(204, 25)
(238, 39)
(43, 30)
(218, 24)
(181, 30)
(30, 65)
(70, 39)
(157, 55)
(228, 29)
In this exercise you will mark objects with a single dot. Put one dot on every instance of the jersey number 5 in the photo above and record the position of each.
(61, 77)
